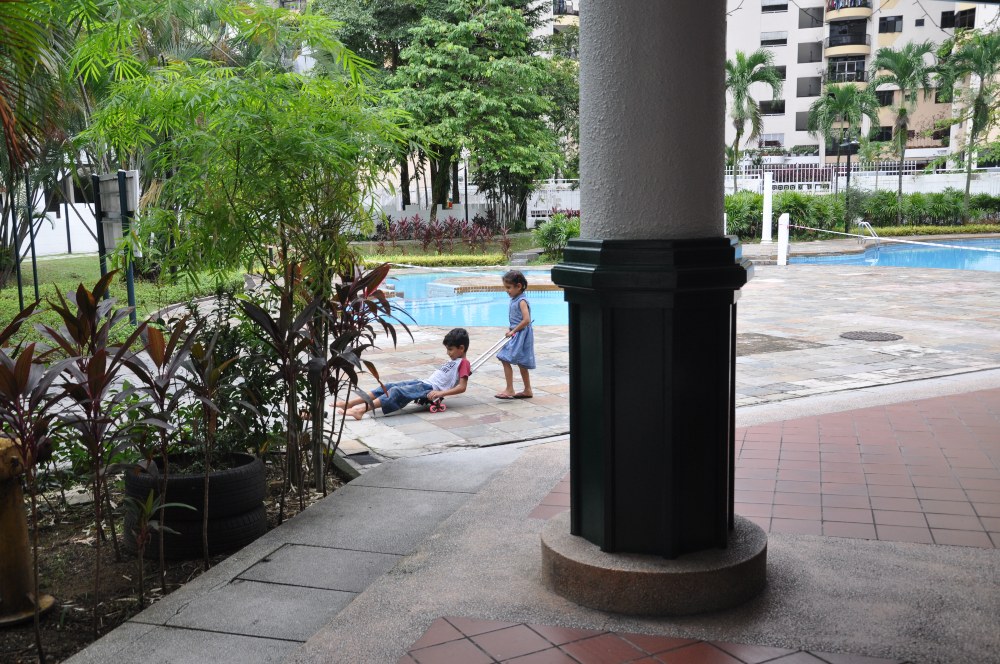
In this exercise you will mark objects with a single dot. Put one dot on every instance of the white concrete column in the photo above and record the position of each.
(650, 148)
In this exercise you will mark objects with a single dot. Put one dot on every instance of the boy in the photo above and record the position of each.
(451, 378)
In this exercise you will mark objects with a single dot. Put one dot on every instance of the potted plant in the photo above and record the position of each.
(196, 381)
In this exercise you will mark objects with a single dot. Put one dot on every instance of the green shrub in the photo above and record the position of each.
(896, 231)
(744, 211)
(444, 260)
(553, 235)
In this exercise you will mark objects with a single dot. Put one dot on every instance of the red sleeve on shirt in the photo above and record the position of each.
(464, 369)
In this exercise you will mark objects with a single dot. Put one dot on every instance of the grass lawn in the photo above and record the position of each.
(67, 273)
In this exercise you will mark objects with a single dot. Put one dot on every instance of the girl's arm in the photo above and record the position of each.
(525, 318)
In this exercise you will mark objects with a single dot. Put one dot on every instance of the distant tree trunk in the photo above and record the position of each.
(455, 197)
(404, 179)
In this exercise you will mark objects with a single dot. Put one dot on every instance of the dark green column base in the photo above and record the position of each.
(652, 328)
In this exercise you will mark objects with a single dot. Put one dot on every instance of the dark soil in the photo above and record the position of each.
(66, 561)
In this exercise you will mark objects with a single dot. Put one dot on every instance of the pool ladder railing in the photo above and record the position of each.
(864, 225)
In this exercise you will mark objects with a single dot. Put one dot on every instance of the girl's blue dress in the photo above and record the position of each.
(520, 350)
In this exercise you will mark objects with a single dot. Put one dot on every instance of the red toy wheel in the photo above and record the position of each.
(442, 407)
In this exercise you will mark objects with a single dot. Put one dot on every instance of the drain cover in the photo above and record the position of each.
(871, 336)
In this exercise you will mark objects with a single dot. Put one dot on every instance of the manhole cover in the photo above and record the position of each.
(871, 336)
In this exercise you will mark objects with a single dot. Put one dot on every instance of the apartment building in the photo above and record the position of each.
(818, 41)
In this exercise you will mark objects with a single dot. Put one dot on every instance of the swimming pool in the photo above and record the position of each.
(908, 255)
(436, 307)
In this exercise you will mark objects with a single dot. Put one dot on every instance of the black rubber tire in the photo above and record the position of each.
(224, 535)
(231, 491)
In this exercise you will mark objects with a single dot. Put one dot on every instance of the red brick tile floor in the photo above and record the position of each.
(465, 641)
(923, 471)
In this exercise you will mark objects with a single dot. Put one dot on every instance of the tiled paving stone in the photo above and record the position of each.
(790, 321)
(924, 472)
(454, 640)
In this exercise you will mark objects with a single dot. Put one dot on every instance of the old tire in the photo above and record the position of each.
(232, 491)
(224, 535)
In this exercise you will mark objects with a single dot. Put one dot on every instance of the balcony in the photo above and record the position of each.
(851, 44)
(846, 76)
(842, 10)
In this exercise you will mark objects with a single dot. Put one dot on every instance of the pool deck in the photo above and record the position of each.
(874, 467)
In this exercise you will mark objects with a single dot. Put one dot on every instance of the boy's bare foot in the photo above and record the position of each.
(523, 395)
(504, 395)
(357, 412)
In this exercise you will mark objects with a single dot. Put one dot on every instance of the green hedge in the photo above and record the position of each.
(939, 212)
(899, 231)
(444, 260)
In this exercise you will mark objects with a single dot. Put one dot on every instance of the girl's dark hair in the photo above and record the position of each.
(516, 277)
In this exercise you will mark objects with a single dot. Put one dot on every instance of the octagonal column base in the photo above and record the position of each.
(637, 584)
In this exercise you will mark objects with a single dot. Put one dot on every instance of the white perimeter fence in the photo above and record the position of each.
(826, 179)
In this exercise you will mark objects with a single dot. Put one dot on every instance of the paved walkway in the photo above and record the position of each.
(789, 347)
(875, 467)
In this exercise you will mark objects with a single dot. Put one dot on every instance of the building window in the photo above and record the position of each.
(885, 97)
(890, 24)
(883, 134)
(808, 86)
(963, 19)
(919, 23)
(772, 6)
(941, 134)
(802, 121)
(810, 52)
(941, 96)
(781, 69)
(773, 38)
(776, 107)
(772, 140)
(847, 70)
(566, 7)
(810, 17)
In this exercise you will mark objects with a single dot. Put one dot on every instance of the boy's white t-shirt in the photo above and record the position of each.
(449, 373)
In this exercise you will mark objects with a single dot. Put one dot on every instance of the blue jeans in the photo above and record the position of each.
(397, 395)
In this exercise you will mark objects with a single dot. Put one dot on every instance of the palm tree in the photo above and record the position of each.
(844, 105)
(907, 70)
(973, 58)
(741, 74)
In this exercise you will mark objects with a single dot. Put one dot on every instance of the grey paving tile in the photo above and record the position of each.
(374, 519)
(321, 567)
(155, 644)
(270, 610)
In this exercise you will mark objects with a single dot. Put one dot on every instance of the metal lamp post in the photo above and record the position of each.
(851, 147)
(465, 158)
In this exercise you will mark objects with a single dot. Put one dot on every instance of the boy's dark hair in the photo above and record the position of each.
(516, 277)
(457, 337)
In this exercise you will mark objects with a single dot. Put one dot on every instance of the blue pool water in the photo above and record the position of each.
(472, 309)
(908, 255)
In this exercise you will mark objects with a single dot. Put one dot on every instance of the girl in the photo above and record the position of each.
(520, 350)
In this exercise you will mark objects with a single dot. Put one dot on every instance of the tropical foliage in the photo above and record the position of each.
(473, 81)
(741, 75)
(968, 69)
(908, 70)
